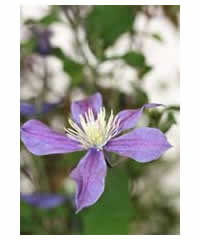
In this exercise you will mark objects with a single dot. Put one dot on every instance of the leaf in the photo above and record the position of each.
(167, 124)
(140, 96)
(29, 46)
(173, 108)
(51, 17)
(74, 69)
(155, 116)
(33, 220)
(137, 60)
(112, 213)
(46, 20)
(28, 225)
(144, 70)
(157, 37)
(105, 24)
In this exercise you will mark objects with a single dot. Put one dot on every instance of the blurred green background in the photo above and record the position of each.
(130, 55)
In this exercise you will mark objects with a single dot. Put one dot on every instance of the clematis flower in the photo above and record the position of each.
(44, 200)
(43, 36)
(30, 109)
(92, 131)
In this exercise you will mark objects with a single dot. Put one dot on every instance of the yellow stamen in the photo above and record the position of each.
(94, 132)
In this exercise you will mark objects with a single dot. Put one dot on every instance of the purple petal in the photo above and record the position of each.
(128, 118)
(43, 40)
(89, 176)
(142, 144)
(41, 140)
(44, 45)
(29, 109)
(93, 102)
(45, 200)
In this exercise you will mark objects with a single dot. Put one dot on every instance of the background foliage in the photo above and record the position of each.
(133, 201)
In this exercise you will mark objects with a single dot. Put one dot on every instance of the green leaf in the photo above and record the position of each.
(33, 219)
(113, 211)
(138, 61)
(51, 17)
(105, 24)
(29, 46)
(135, 59)
(144, 70)
(140, 96)
(28, 223)
(169, 121)
(155, 116)
(173, 108)
(74, 69)
(157, 37)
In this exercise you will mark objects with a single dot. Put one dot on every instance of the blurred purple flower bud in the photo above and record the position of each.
(30, 109)
(43, 200)
(43, 40)
(44, 45)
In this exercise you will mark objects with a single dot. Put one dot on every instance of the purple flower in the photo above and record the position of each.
(30, 109)
(43, 200)
(92, 131)
(44, 45)
(43, 40)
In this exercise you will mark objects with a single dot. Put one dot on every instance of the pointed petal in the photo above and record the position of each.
(41, 140)
(43, 200)
(93, 102)
(142, 144)
(89, 176)
(129, 118)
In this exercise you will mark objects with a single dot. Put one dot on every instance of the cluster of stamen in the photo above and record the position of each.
(94, 132)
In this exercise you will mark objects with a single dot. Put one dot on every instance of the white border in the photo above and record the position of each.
(100, 237)
(190, 124)
(100, 2)
(9, 126)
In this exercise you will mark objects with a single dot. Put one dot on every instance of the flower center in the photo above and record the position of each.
(94, 132)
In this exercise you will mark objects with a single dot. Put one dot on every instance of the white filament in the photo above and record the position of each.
(93, 132)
